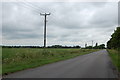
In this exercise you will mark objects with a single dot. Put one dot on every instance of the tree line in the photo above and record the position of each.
(114, 42)
(101, 46)
(53, 46)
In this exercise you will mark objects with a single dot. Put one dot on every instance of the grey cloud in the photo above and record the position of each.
(81, 19)
(25, 36)
(21, 34)
(16, 33)
(71, 22)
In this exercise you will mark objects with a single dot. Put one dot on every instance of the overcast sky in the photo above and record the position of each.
(70, 23)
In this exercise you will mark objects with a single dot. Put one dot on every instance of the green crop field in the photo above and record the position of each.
(15, 59)
(115, 56)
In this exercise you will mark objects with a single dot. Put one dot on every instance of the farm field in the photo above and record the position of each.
(16, 59)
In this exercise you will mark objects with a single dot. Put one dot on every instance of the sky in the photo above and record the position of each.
(70, 23)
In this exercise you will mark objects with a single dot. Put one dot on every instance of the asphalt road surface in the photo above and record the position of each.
(94, 65)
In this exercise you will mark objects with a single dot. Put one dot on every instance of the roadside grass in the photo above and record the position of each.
(16, 59)
(115, 56)
(0, 60)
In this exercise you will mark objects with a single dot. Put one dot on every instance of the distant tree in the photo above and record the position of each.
(76, 46)
(102, 46)
(60, 46)
(114, 42)
(56, 46)
(96, 44)
(85, 45)
(89, 47)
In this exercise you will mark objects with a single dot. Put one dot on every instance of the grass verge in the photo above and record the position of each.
(16, 59)
(115, 56)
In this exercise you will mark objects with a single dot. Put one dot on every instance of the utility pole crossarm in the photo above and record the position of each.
(43, 14)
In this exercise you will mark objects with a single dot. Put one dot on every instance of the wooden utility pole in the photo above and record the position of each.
(45, 15)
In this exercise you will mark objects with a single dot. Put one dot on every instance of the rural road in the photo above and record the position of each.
(94, 65)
